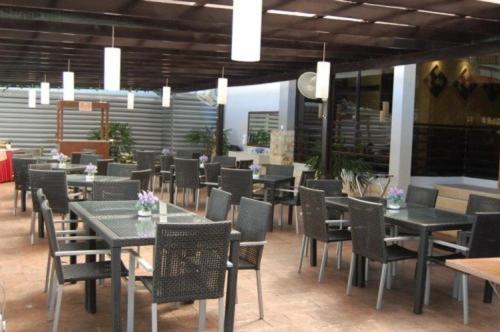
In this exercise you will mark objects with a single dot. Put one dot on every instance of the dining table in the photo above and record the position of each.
(118, 224)
(80, 180)
(417, 219)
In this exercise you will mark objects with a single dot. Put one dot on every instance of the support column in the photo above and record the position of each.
(219, 133)
(403, 110)
(326, 129)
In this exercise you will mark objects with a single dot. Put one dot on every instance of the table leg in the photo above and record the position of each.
(359, 271)
(232, 282)
(41, 228)
(488, 292)
(271, 200)
(313, 254)
(421, 272)
(23, 200)
(116, 287)
(171, 189)
(90, 285)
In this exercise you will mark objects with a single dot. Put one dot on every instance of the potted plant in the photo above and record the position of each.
(394, 198)
(90, 170)
(255, 170)
(62, 159)
(203, 160)
(147, 203)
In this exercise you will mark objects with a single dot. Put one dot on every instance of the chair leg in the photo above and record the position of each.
(427, 294)
(154, 317)
(389, 276)
(281, 216)
(47, 273)
(296, 212)
(202, 315)
(197, 198)
(32, 228)
(221, 314)
(465, 295)
(16, 198)
(131, 294)
(324, 259)
(50, 291)
(307, 247)
(55, 323)
(175, 195)
(351, 274)
(455, 285)
(383, 277)
(259, 294)
(302, 252)
(367, 269)
(339, 254)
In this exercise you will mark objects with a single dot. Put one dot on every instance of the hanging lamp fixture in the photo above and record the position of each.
(69, 84)
(222, 89)
(247, 30)
(45, 91)
(165, 101)
(130, 100)
(112, 65)
(323, 77)
(32, 98)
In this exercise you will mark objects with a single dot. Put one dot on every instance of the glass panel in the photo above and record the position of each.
(260, 125)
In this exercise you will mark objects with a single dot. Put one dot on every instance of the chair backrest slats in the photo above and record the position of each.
(314, 213)
(477, 203)
(115, 190)
(421, 196)
(87, 158)
(124, 170)
(485, 238)
(329, 186)
(282, 170)
(54, 186)
(225, 161)
(21, 172)
(187, 173)
(212, 172)
(218, 205)
(144, 176)
(146, 159)
(238, 182)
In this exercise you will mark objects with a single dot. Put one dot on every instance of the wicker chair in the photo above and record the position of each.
(186, 154)
(244, 164)
(102, 166)
(212, 174)
(218, 205)
(87, 158)
(187, 177)
(147, 160)
(144, 176)
(253, 222)
(190, 264)
(54, 186)
(116, 190)
(484, 242)
(75, 157)
(61, 274)
(316, 226)
(332, 188)
(238, 182)
(225, 161)
(278, 170)
(21, 178)
(123, 170)
(421, 196)
(166, 161)
(368, 240)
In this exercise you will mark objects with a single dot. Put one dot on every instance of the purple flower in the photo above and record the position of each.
(147, 200)
(62, 157)
(255, 168)
(165, 152)
(54, 152)
(91, 169)
(203, 159)
(395, 193)
(259, 150)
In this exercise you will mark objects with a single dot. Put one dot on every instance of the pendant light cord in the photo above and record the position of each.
(69, 63)
(112, 36)
(222, 71)
(324, 51)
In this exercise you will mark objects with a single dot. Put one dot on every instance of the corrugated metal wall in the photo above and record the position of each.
(151, 124)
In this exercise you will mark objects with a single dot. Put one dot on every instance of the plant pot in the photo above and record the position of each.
(89, 178)
(62, 165)
(393, 205)
(144, 213)
(255, 175)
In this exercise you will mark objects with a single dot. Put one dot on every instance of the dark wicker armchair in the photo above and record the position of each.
(116, 190)
(218, 205)
(123, 170)
(187, 177)
(21, 179)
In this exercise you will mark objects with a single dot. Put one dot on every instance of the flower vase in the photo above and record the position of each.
(255, 174)
(144, 213)
(62, 165)
(89, 178)
(393, 204)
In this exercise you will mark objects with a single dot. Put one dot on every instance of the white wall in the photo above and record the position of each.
(270, 97)
(431, 181)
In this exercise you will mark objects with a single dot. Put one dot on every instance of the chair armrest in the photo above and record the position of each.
(69, 232)
(341, 222)
(141, 261)
(252, 243)
(400, 238)
(285, 190)
(229, 265)
(82, 253)
(450, 245)
(210, 183)
(78, 238)
(165, 172)
(67, 221)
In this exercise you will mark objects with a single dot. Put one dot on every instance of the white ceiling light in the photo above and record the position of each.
(32, 98)
(45, 92)
(130, 100)
(222, 89)
(165, 100)
(290, 13)
(69, 84)
(112, 65)
(323, 77)
(342, 18)
(492, 1)
(247, 26)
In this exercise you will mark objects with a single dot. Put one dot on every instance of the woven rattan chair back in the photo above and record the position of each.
(75, 157)
(44, 166)
(124, 170)
(314, 213)
(244, 164)
(21, 172)
(190, 261)
(368, 229)
(485, 238)
(218, 205)
(144, 176)
(253, 223)
(238, 182)
(212, 172)
(304, 177)
(187, 173)
(421, 196)
(184, 154)
(477, 203)
(331, 187)
(102, 166)
(225, 161)
(166, 162)
(116, 190)
(88, 158)
(54, 186)
(281, 170)
(146, 159)
(53, 243)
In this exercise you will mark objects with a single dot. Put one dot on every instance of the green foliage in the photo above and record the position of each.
(260, 138)
(121, 136)
(207, 138)
(125, 158)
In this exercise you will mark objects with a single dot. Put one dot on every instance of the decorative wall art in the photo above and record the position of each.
(436, 81)
(464, 84)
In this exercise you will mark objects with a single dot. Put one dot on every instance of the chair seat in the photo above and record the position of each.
(441, 259)
(77, 246)
(89, 271)
(339, 235)
(398, 253)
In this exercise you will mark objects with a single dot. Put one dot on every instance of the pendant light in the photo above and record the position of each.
(165, 101)
(112, 65)
(130, 100)
(45, 92)
(69, 84)
(323, 77)
(32, 98)
(222, 89)
(247, 26)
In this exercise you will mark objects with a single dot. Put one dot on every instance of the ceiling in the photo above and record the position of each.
(189, 41)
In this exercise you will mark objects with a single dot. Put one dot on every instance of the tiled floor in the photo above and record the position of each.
(293, 302)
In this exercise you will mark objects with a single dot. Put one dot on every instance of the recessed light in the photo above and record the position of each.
(342, 18)
(393, 23)
(290, 13)
(435, 12)
(174, 2)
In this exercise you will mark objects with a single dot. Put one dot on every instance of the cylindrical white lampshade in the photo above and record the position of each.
(112, 65)
(222, 91)
(130, 100)
(31, 98)
(165, 101)
(68, 85)
(45, 93)
(247, 26)
(323, 80)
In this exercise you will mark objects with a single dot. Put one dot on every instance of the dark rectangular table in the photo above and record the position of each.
(79, 180)
(422, 220)
(117, 223)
